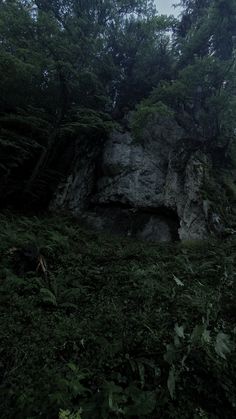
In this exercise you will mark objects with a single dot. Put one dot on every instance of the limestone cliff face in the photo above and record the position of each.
(150, 189)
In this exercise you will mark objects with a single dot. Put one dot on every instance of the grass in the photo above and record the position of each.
(118, 328)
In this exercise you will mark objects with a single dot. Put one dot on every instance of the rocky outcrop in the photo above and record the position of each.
(183, 191)
(74, 193)
(150, 189)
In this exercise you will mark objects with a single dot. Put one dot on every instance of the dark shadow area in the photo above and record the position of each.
(150, 224)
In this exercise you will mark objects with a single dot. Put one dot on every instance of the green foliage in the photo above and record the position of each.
(117, 328)
(208, 26)
(87, 121)
(66, 414)
(74, 64)
(67, 68)
(147, 113)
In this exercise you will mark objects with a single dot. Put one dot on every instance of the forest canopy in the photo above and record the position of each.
(70, 69)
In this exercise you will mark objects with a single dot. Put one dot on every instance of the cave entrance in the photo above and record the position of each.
(150, 224)
(157, 224)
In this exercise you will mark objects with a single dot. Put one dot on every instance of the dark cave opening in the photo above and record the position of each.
(150, 224)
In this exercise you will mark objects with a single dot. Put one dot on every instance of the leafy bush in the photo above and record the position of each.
(147, 113)
(117, 328)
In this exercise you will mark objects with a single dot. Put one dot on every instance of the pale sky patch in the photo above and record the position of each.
(165, 7)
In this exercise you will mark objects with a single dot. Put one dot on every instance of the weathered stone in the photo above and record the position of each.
(74, 193)
(183, 191)
(159, 179)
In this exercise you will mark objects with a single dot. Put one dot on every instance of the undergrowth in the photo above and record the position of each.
(117, 328)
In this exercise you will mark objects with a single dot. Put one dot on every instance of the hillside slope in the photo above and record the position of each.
(116, 328)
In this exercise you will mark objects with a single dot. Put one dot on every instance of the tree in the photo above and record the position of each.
(66, 65)
(201, 95)
(207, 27)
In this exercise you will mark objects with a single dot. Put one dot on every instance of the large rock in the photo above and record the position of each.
(183, 191)
(74, 193)
(150, 189)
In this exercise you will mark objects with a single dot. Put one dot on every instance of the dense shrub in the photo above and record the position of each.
(116, 328)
